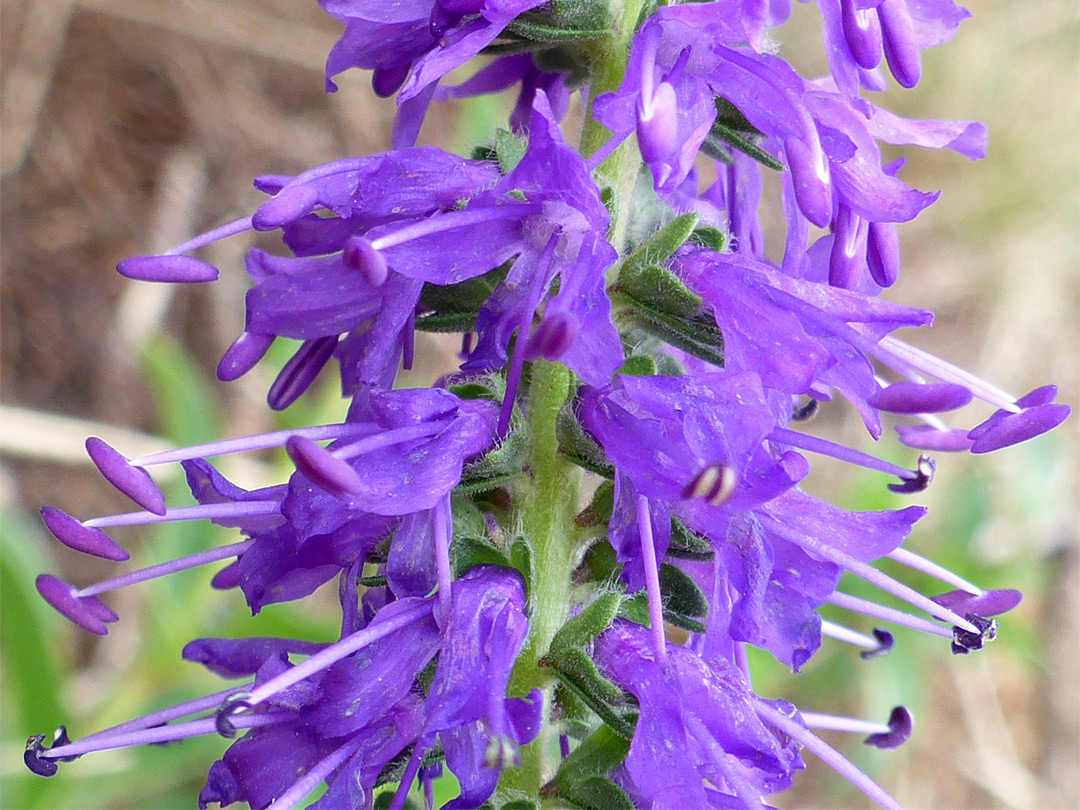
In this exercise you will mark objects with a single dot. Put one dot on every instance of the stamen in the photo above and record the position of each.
(233, 705)
(831, 722)
(869, 573)
(454, 219)
(388, 438)
(901, 724)
(652, 579)
(215, 235)
(209, 511)
(160, 734)
(75, 535)
(318, 772)
(164, 569)
(604, 152)
(826, 754)
(925, 469)
(260, 441)
(913, 398)
(964, 641)
(911, 361)
(172, 713)
(405, 785)
(805, 411)
(873, 647)
(715, 485)
(814, 444)
(335, 652)
(887, 614)
(988, 603)
(913, 560)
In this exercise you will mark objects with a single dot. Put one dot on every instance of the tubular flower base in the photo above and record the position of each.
(672, 373)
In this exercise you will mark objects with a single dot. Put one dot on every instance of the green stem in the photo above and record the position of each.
(547, 518)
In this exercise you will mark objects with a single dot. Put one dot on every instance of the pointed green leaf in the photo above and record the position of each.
(688, 545)
(697, 336)
(597, 793)
(509, 149)
(745, 144)
(598, 512)
(598, 754)
(578, 446)
(638, 365)
(709, 237)
(580, 673)
(659, 290)
(681, 593)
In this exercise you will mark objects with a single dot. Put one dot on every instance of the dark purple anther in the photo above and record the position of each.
(359, 255)
(715, 484)
(234, 704)
(74, 535)
(323, 468)
(300, 372)
(62, 597)
(910, 397)
(924, 475)
(172, 269)
(810, 178)
(243, 355)
(988, 603)
(553, 337)
(848, 249)
(806, 411)
(1018, 427)
(883, 253)
(60, 737)
(926, 437)
(386, 81)
(898, 35)
(135, 482)
(288, 205)
(900, 726)
(33, 757)
(885, 644)
(964, 641)
(658, 123)
(862, 30)
(227, 578)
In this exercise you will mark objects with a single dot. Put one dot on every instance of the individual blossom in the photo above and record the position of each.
(410, 46)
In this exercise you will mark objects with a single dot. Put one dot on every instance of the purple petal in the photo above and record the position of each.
(287, 205)
(901, 48)
(300, 371)
(174, 269)
(134, 482)
(243, 355)
(241, 657)
(82, 538)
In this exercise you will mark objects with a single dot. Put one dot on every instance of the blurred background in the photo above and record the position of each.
(129, 125)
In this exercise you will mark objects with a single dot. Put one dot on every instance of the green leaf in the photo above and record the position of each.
(465, 297)
(659, 290)
(521, 804)
(587, 625)
(598, 793)
(468, 552)
(597, 754)
(638, 365)
(745, 144)
(504, 463)
(598, 512)
(658, 247)
(521, 558)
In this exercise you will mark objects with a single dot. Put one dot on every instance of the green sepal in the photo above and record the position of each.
(600, 562)
(372, 582)
(598, 754)
(521, 558)
(521, 804)
(587, 625)
(707, 236)
(596, 793)
(578, 446)
(564, 21)
(658, 247)
(746, 145)
(661, 290)
(469, 551)
(509, 150)
(610, 198)
(636, 609)
(681, 593)
(497, 468)
(580, 674)
(698, 336)
(688, 545)
(465, 297)
(730, 116)
(638, 365)
(444, 322)
(384, 800)
(598, 512)
(484, 152)
(714, 149)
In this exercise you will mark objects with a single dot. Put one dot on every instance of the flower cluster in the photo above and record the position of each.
(551, 562)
